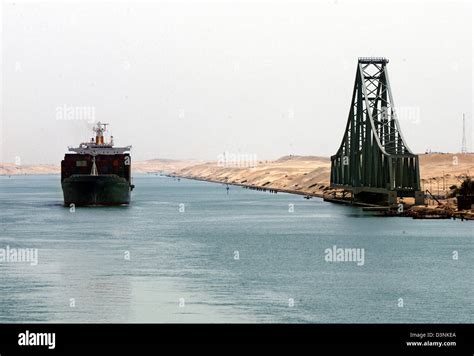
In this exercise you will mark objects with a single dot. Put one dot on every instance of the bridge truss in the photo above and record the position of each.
(373, 161)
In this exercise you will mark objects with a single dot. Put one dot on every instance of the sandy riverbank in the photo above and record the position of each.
(297, 174)
(310, 174)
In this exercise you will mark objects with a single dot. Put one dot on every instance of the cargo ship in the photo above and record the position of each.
(96, 172)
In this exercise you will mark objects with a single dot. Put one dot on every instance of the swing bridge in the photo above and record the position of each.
(373, 163)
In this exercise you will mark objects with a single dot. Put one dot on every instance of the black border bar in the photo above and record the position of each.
(350, 337)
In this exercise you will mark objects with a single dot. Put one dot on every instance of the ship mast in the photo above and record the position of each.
(99, 133)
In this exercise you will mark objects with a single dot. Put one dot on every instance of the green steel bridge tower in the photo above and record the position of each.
(374, 162)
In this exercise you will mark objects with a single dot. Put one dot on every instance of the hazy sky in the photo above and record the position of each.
(194, 79)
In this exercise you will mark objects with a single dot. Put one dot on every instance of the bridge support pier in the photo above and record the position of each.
(419, 198)
(375, 196)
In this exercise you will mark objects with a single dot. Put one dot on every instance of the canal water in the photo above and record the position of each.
(188, 251)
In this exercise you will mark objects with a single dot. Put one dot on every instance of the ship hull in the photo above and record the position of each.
(83, 189)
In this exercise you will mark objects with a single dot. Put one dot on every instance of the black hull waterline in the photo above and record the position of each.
(108, 189)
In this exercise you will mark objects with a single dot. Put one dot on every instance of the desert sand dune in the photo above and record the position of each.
(310, 174)
(299, 174)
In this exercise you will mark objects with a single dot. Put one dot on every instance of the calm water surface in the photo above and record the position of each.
(182, 265)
